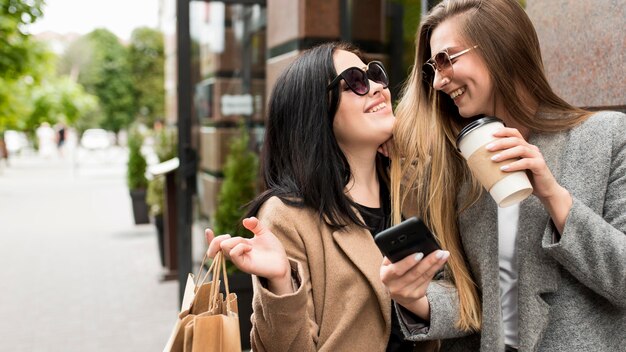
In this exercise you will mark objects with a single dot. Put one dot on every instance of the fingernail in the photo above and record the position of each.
(495, 157)
(504, 168)
(442, 254)
(419, 256)
(489, 146)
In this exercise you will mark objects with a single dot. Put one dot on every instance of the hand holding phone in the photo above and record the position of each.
(408, 237)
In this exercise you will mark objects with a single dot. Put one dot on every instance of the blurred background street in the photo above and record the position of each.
(165, 100)
(77, 274)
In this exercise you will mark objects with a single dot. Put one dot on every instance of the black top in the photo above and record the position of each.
(378, 219)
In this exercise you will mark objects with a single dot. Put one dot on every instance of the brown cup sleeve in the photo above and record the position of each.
(486, 170)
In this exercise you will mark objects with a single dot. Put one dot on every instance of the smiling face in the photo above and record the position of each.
(470, 86)
(361, 122)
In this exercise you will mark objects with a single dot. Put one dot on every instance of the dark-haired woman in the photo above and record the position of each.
(313, 257)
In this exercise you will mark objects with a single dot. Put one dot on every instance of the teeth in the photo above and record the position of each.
(457, 92)
(377, 107)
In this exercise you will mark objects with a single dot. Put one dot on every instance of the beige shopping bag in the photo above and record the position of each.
(188, 297)
(210, 322)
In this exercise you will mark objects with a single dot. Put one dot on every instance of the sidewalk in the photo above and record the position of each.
(76, 274)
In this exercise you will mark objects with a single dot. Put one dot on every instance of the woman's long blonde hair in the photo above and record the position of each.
(427, 171)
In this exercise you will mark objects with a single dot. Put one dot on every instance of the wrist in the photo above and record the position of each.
(419, 307)
(558, 205)
(281, 284)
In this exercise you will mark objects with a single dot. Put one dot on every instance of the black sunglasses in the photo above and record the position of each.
(358, 80)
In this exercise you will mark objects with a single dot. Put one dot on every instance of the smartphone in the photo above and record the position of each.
(408, 237)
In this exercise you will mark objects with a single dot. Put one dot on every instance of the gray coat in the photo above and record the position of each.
(572, 292)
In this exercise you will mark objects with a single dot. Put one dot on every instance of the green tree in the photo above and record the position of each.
(76, 58)
(22, 60)
(60, 99)
(16, 54)
(14, 103)
(147, 65)
(107, 76)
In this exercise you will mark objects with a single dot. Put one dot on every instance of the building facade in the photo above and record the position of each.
(223, 57)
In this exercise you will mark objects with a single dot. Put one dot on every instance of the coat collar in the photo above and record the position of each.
(358, 245)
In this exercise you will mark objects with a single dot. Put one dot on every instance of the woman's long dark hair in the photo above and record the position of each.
(302, 163)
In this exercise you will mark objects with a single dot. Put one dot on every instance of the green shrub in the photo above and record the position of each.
(155, 195)
(238, 188)
(165, 147)
(136, 172)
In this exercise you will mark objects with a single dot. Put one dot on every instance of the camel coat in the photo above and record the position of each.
(339, 304)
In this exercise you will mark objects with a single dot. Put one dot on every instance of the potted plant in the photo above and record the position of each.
(166, 142)
(165, 149)
(238, 188)
(155, 197)
(136, 177)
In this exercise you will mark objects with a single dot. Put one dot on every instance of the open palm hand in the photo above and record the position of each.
(263, 255)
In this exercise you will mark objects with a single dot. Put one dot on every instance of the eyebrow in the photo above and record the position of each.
(451, 48)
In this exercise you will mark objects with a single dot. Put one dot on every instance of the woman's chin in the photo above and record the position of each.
(466, 113)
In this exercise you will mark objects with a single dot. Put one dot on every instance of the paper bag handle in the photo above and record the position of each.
(218, 263)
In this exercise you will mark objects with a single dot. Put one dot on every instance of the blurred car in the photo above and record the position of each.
(95, 138)
(15, 141)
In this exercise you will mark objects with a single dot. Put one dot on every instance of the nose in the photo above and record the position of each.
(375, 87)
(440, 80)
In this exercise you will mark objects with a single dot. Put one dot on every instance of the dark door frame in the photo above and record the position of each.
(187, 155)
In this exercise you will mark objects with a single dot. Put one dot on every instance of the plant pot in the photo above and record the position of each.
(140, 208)
(158, 223)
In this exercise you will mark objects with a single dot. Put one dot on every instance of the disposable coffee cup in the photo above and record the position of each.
(506, 188)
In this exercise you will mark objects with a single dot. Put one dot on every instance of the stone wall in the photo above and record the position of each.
(583, 44)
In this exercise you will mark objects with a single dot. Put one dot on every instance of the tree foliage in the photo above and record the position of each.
(119, 83)
(107, 76)
(16, 54)
(14, 104)
(22, 61)
(147, 65)
(62, 100)
(76, 58)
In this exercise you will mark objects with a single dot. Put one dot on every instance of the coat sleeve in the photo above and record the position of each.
(593, 246)
(284, 323)
(444, 313)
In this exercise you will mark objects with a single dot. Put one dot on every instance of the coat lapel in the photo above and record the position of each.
(481, 249)
(358, 245)
(538, 274)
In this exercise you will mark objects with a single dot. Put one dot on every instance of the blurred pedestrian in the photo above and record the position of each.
(46, 138)
(61, 135)
(4, 151)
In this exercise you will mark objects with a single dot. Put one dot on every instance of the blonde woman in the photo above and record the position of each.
(551, 271)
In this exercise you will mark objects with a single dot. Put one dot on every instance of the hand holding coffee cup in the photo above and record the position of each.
(506, 188)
